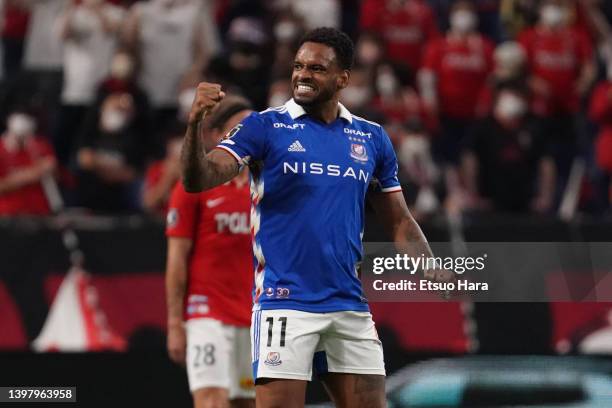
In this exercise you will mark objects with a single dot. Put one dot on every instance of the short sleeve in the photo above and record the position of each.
(246, 141)
(182, 213)
(386, 167)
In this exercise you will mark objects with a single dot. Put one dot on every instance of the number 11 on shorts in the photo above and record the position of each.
(283, 321)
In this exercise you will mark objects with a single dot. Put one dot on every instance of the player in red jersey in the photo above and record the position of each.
(209, 277)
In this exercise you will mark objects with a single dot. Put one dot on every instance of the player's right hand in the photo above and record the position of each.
(177, 344)
(206, 98)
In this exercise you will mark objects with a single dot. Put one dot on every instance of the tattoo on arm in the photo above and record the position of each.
(201, 171)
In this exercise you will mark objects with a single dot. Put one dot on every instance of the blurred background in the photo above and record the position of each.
(500, 112)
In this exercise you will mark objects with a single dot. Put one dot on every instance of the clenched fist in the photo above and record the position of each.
(206, 98)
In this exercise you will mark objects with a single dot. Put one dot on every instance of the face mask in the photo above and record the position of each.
(552, 15)
(278, 99)
(113, 120)
(285, 31)
(356, 96)
(386, 84)
(20, 125)
(121, 67)
(185, 100)
(510, 107)
(463, 21)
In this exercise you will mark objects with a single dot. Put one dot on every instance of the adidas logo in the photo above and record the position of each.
(296, 147)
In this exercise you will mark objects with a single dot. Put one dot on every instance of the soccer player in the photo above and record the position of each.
(311, 162)
(209, 279)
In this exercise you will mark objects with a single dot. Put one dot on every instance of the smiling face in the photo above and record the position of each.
(317, 76)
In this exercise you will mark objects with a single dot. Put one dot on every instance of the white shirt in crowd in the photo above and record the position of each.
(88, 52)
(43, 49)
(165, 44)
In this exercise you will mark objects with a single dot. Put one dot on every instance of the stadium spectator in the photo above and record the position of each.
(162, 175)
(561, 69)
(25, 160)
(111, 156)
(510, 70)
(404, 25)
(357, 96)
(244, 69)
(89, 33)
(38, 85)
(14, 19)
(209, 279)
(601, 113)
(396, 99)
(314, 13)
(418, 173)
(369, 51)
(505, 165)
(455, 68)
(172, 40)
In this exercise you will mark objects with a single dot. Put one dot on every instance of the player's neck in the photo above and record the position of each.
(326, 112)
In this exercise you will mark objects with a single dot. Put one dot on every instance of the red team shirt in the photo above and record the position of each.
(461, 68)
(556, 57)
(405, 29)
(221, 262)
(601, 113)
(29, 199)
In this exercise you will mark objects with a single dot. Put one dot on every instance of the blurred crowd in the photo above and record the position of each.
(491, 105)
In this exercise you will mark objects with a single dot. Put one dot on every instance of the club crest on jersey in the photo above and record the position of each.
(359, 152)
(273, 359)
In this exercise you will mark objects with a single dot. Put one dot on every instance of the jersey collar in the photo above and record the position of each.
(295, 111)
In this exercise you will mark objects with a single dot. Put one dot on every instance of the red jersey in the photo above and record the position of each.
(556, 57)
(221, 262)
(28, 199)
(461, 67)
(600, 112)
(405, 28)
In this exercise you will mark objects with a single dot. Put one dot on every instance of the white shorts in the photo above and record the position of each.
(287, 343)
(218, 356)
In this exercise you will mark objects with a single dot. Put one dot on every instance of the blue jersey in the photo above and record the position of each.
(308, 185)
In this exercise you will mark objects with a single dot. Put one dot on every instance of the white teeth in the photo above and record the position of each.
(305, 88)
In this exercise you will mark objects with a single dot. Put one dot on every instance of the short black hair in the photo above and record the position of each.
(336, 39)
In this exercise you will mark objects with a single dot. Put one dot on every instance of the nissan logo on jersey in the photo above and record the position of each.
(236, 223)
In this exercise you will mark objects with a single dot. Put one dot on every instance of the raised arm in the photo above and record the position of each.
(201, 170)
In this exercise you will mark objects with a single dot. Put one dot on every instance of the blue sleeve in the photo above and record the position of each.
(246, 141)
(386, 166)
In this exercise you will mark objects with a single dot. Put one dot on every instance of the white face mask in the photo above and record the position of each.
(463, 21)
(122, 67)
(185, 100)
(552, 15)
(386, 84)
(356, 96)
(510, 107)
(113, 120)
(20, 125)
